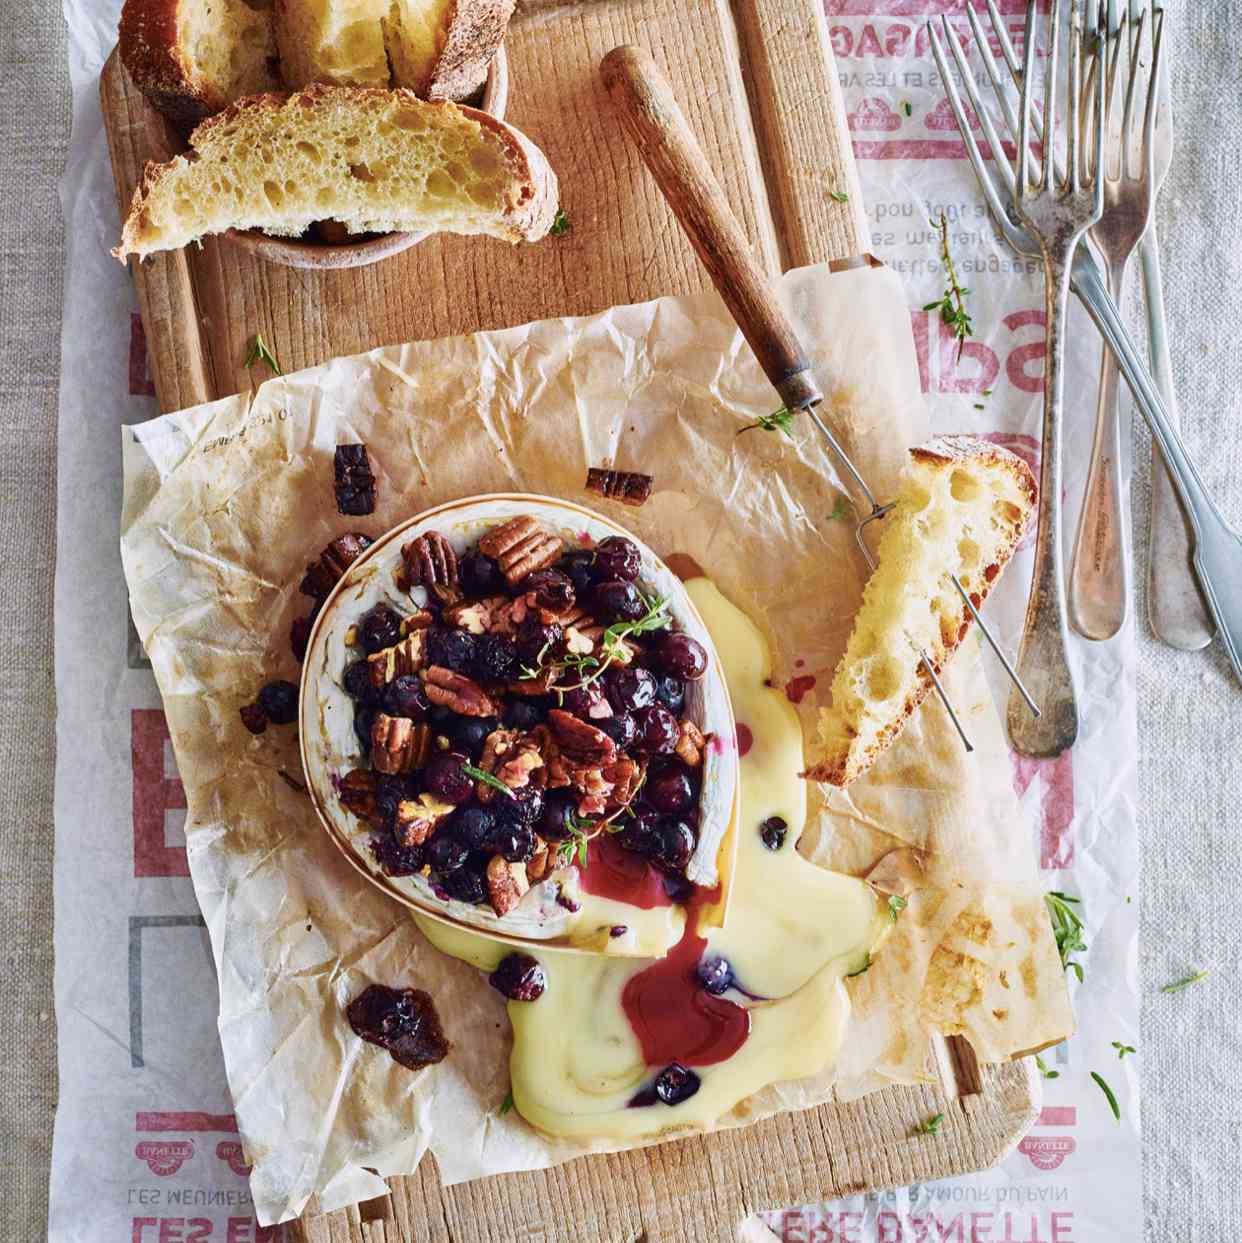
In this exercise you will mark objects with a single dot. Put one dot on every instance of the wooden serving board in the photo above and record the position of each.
(757, 83)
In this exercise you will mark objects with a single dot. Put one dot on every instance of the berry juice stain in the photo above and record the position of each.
(796, 688)
(620, 874)
(745, 739)
(673, 1016)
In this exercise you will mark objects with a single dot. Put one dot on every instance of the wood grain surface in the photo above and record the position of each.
(756, 82)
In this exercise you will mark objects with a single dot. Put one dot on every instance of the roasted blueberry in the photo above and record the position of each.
(715, 974)
(577, 566)
(552, 590)
(446, 853)
(357, 683)
(538, 642)
(616, 601)
(379, 628)
(773, 831)
(466, 885)
(480, 575)
(557, 815)
(280, 701)
(620, 728)
(658, 730)
(515, 842)
(670, 789)
(444, 777)
(587, 702)
(680, 656)
(451, 648)
(403, 1021)
(364, 718)
(390, 789)
(629, 688)
(522, 713)
(521, 809)
(404, 696)
(640, 835)
(671, 692)
(475, 826)
(675, 1084)
(520, 977)
(617, 558)
(674, 846)
(395, 859)
(495, 658)
(468, 733)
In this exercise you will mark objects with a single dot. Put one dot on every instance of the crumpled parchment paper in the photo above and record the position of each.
(227, 502)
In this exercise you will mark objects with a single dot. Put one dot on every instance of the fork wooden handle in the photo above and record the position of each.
(649, 113)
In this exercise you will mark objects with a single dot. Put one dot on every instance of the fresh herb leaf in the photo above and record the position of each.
(906, 108)
(849, 975)
(931, 1126)
(1185, 982)
(896, 904)
(838, 196)
(560, 223)
(1109, 1095)
(507, 1103)
(779, 421)
(841, 509)
(1067, 927)
(980, 406)
(1123, 1049)
(479, 775)
(952, 304)
(259, 353)
(1043, 1069)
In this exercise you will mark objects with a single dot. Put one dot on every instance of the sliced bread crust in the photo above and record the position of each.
(881, 664)
(472, 33)
(281, 162)
(157, 43)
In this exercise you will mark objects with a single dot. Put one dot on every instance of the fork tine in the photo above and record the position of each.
(1047, 162)
(1134, 47)
(1024, 104)
(1153, 94)
(1074, 90)
(998, 89)
(1101, 44)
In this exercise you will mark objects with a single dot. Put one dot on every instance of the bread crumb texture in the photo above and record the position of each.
(375, 160)
(962, 507)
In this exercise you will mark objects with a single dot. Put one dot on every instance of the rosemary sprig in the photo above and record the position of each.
(896, 904)
(1067, 927)
(1109, 1095)
(1123, 1049)
(778, 421)
(1185, 982)
(1043, 1069)
(952, 304)
(560, 223)
(931, 1126)
(479, 775)
(259, 353)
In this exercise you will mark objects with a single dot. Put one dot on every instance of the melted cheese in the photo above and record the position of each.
(793, 932)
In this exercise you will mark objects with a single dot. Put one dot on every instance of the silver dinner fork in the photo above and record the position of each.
(1217, 549)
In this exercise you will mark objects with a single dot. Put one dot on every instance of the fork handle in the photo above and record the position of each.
(1043, 661)
(648, 112)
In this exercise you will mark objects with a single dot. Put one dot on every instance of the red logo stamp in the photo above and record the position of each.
(164, 1156)
(1047, 1151)
(230, 1152)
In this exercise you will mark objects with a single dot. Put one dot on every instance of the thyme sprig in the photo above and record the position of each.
(582, 829)
(1067, 927)
(1123, 1049)
(952, 303)
(778, 421)
(931, 1126)
(259, 353)
(1044, 1069)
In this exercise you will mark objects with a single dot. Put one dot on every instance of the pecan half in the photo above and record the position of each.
(690, 744)
(324, 574)
(431, 562)
(506, 883)
(354, 480)
(557, 769)
(408, 656)
(540, 863)
(476, 616)
(357, 794)
(416, 819)
(580, 741)
(458, 693)
(627, 486)
(540, 684)
(398, 745)
(521, 546)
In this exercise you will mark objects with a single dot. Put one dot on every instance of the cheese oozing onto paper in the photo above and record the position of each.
(793, 932)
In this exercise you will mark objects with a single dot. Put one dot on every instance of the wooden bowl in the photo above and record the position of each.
(292, 252)
(330, 748)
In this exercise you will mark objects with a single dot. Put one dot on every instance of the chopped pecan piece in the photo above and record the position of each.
(408, 656)
(398, 745)
(578, 642)
(354, 481)
(511, 758)
(357, 794)
(540, 684)
(457, 693)
(690, 744)
(474, 615)
(517, 769)
(540, 863)
(557, 770)
(580, 741)
(626, 776)
(627, 486)
(621, 652)
(431, 562)
(324, 574)
(521, 546)
(416, 819)
(506, 883)
(422, 620)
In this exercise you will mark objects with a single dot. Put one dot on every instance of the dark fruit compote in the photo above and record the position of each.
(528, 715)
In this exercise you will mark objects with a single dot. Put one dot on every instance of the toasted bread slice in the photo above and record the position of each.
(963, 506)
(192, 58)
(375, 160)
(441, 49)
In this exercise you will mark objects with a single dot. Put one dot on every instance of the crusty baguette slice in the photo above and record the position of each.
(441, 49)
(375, 160)
(337, 42)
(191, 58)
(962, 507)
